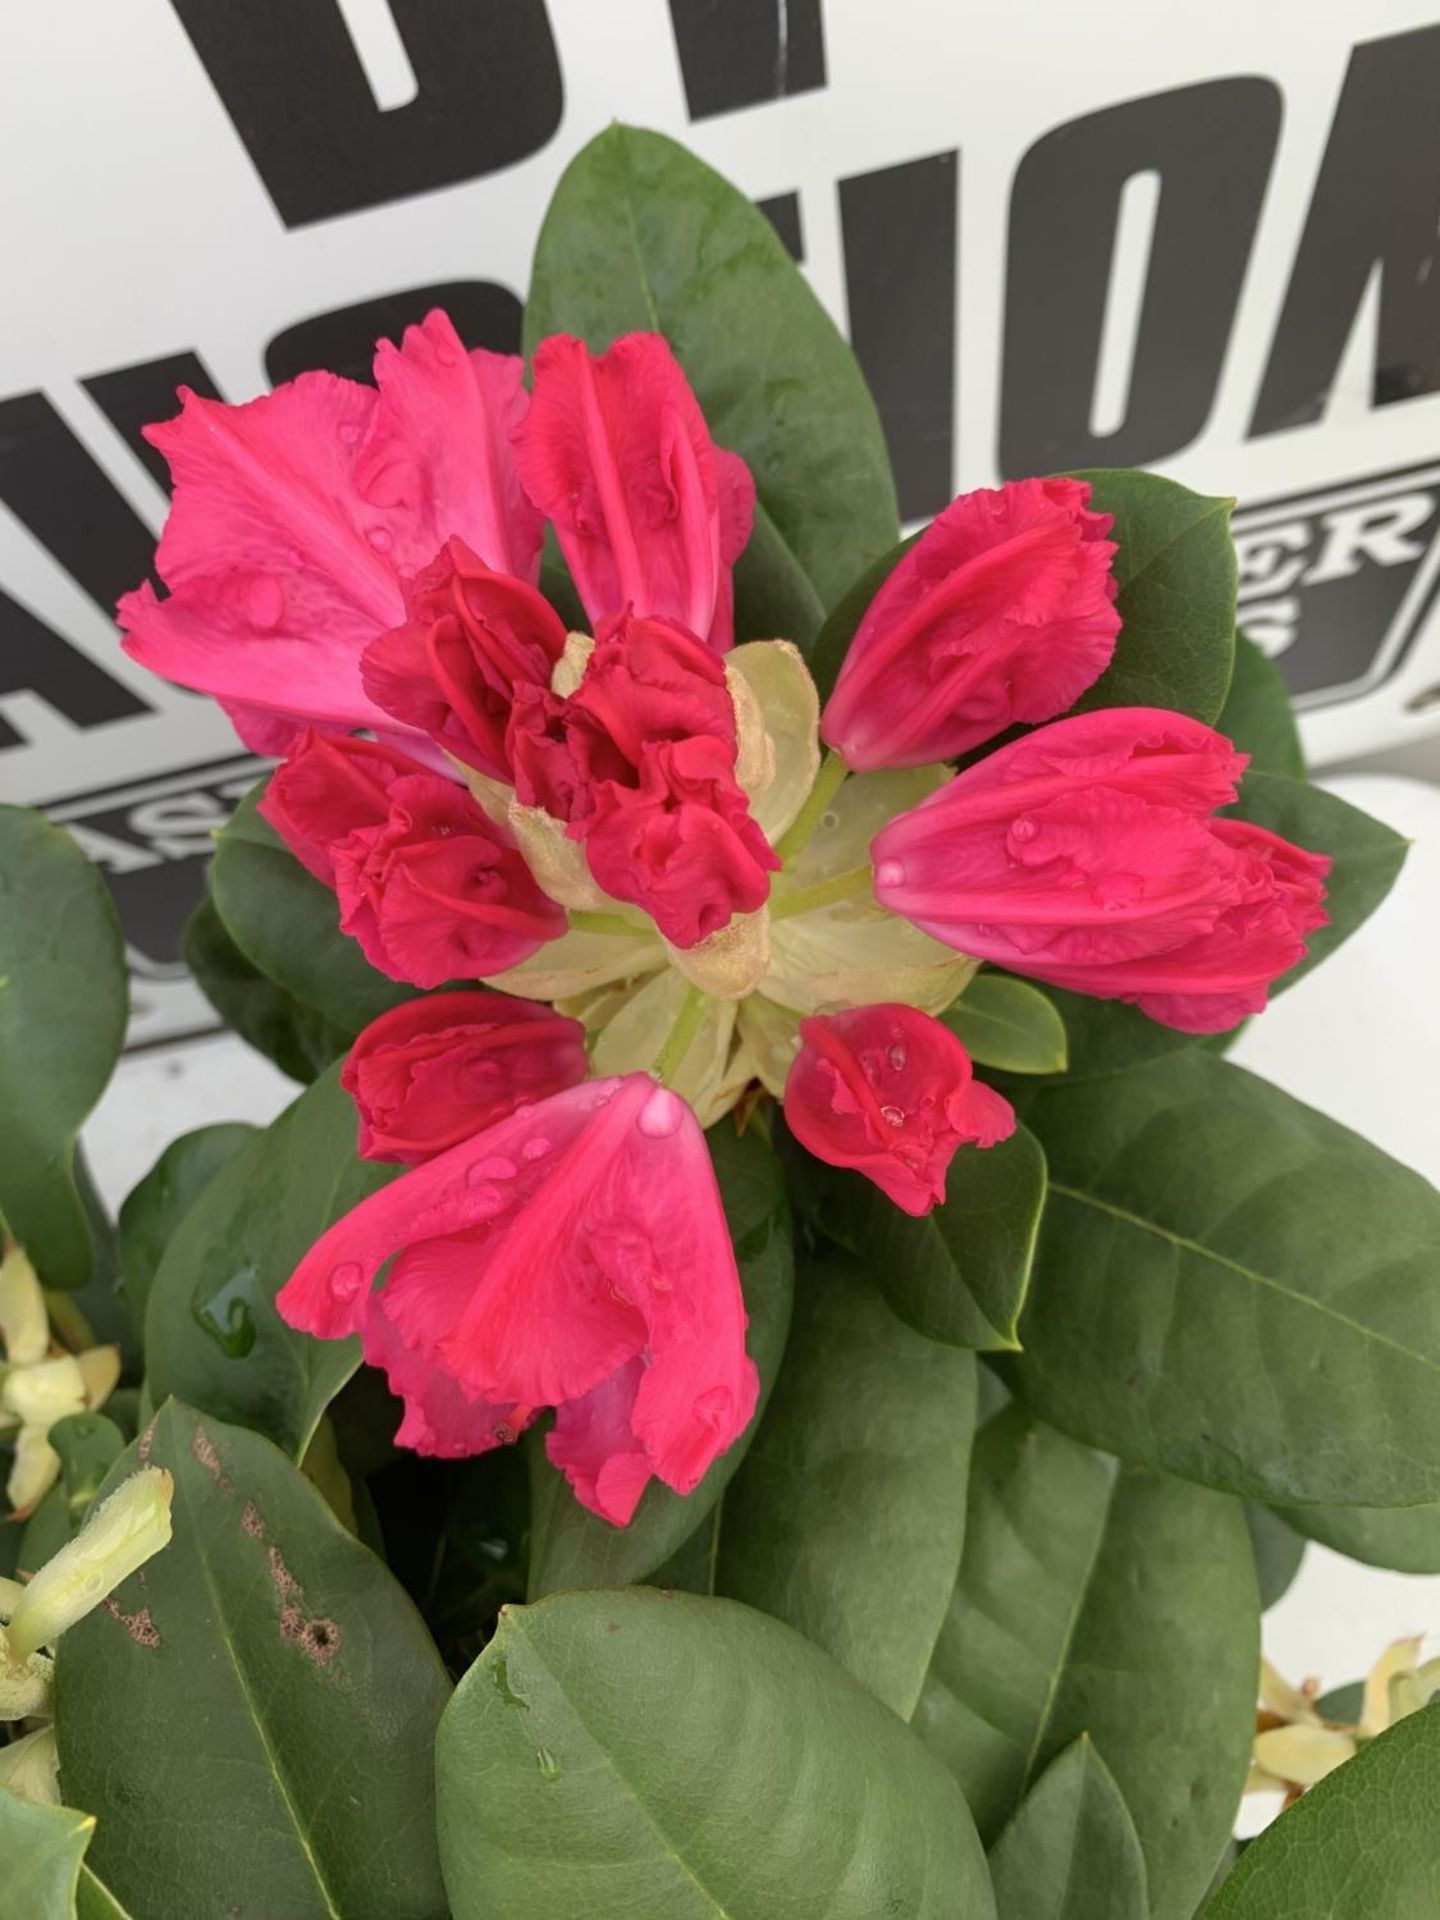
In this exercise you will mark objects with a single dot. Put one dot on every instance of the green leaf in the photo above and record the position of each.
(212, 1334)
(1367, 855)
(774, 597)
(571, 1547)
(847, 1517)
(1070, 1850)
(1108, 1600)
(299, 1040)
(613, 1755)
(1345, 1703)
(154, 1208)
(43, 1849)
(827, 656)
(1278, 1550)
(63, 1005)
(252, 1720)
(642, 235)
(959, 1273)
(1362, 1845)
(1405, 1538)
(1258, 715)
(88, 1445)
(1009, 1025)
(287, 923)
(1177, 575)
(1106, 1036)
(1235, 1288)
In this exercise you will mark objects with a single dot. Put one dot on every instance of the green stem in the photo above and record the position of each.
(605, 923)
(687, 1024)
(824, 893)
(828, 782)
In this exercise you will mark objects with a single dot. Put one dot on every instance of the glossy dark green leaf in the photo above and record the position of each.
(287, 923)
(613, 1755)
(1103, 1600)
(88, 1445)
(212, 1335)
(1258, 714)
(252, 1720)
(1009, 1025)
(571, 1547)
(301, 1041)
(1278, 1550)
(1405, 1538)
(1233, 1287)
(642, 235)
(1106, 1036)
(44, 1871)
(1070, 1850)
(774, 596)
(1362, 1845)
(1177, 576)
(154, 1208)
(63, 1005)
(959, 1273)
(847, 1517)
(1367, 856)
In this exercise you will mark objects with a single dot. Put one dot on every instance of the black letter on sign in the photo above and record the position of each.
(489, 94)
(1376, 204)
(34, 659)
(1211, 145)
(48, 480)
(136, 397)
(899, 227)
(741, 53)
(344, 341)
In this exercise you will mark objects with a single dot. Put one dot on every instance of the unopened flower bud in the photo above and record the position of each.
(119, 1536)
(41, 1394)
(30, 1768)
(23, 1324)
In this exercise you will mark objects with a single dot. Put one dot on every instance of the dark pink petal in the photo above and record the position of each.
(1089, 859)
(648, 511)
(438, 452)
(544, 1256)
(439, 1419)
(428, 1074)
(888, 1091)
(1002, 611)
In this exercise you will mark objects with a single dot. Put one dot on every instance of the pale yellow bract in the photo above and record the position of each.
(727, 1012)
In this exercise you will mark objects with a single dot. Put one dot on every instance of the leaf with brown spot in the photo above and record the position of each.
(255, 1716)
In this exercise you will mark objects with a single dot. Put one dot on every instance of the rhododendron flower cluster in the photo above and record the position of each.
(630, 837)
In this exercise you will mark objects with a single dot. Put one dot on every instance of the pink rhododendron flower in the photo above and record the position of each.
(428, 1074)
(575, 1256)
(649, 512)
(639, 763)
(889, 1091)
(472, 635)
(1085, 855)
(1003, 610)
(428, 885)
(297, 515)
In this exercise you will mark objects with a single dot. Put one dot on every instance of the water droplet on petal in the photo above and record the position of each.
(381, 539)
(890, 873)
(661, 1114)
(347, 1279)
(535, 1149)
(295, 557)
(350, 431)
(893, 1116)
(496, 1168)
(897, 1057)
(1024, 829)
